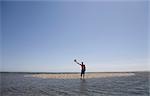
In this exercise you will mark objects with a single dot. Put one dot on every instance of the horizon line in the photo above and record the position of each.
(74, 72)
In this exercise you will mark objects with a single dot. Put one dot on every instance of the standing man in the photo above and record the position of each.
(83, 68)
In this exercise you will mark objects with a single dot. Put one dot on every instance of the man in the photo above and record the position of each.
(83, 68)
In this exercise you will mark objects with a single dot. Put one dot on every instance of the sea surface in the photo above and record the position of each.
(17, 84)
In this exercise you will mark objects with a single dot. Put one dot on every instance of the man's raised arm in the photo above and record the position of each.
(77, 62)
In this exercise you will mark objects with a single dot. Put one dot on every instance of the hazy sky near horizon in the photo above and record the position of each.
(48, 36)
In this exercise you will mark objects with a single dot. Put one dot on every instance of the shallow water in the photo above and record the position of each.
(15, 84)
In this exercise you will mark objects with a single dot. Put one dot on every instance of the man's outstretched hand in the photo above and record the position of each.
(75, 60)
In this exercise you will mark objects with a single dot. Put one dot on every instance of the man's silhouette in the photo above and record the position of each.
(83, 68)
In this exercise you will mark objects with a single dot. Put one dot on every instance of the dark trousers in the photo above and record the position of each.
(82, 72)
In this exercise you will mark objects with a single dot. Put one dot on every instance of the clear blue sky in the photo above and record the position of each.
(48, 36)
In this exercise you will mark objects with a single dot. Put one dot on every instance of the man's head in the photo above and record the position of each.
(82, 63)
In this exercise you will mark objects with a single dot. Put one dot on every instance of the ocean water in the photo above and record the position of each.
(16, 84)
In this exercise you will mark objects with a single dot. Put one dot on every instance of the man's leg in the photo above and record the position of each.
(83, 74)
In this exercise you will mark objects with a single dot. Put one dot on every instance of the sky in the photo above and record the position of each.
(46, 36)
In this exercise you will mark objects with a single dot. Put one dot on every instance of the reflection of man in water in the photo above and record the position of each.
(83, 68)
(83, 88)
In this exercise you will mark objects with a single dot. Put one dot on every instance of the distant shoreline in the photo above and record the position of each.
(71, 72)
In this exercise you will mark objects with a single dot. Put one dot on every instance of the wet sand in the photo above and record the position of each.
(94, 84)
(76, 76)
